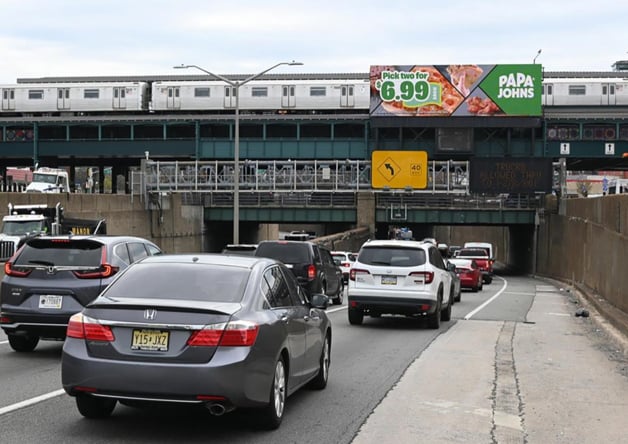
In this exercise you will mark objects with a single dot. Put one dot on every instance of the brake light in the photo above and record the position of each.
(345, 264)
(104, 271)
(355, 271)
(15, 272)
(428, 276)
(83, 327)
(311, 272)
(231, 334)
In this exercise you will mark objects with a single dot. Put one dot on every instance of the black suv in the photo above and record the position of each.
(312, 264)
(53, 277)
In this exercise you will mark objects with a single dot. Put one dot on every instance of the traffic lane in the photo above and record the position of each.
(366, 362)
(27, 375)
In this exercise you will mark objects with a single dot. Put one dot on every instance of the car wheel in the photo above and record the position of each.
(95, 408)
(445, 315)
(481, 285)
(272, 414)
(475, 288)
(489, 280)
(320, 381)
(339, 298)
(433, 320)
(21, 343)
(356, 316)
(458, 297)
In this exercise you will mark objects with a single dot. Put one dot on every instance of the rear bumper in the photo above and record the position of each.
(392, 305)
(43, 326)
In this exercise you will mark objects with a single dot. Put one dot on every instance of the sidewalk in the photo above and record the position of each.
(553, 379)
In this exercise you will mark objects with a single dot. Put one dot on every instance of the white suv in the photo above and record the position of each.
(400, 277)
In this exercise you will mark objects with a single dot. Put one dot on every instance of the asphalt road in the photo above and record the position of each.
(367, 362)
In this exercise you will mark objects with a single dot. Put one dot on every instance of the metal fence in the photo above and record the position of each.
(315, 183)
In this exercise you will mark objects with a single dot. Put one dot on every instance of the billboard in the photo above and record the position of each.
(510, 175)
(456, 90)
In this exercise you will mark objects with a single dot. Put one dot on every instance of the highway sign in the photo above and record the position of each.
(399, 169)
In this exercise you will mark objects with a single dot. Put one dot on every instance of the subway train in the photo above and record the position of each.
(346, 93)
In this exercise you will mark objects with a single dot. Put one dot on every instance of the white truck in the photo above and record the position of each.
(49, 180)
(26, 221)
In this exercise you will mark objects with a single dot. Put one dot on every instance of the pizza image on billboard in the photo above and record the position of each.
(455, 90)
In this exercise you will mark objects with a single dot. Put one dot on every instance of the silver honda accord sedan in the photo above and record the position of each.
(219, 330)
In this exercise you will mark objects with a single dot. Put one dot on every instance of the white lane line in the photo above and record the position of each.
(4, 342)
(333, 310)
(467, 317)
(28, 402)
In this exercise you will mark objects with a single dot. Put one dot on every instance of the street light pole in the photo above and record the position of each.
(235, 86)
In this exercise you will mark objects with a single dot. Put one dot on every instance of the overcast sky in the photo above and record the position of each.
(40, 38)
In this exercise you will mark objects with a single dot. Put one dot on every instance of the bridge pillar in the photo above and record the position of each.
(365, 216)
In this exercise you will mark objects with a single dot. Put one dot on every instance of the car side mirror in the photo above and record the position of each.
(337, 262)
(319, 300)
(451, 267)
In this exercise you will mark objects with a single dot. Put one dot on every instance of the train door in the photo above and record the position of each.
(174, 98)
(548, 94)
(63, 98)
(347, 98)
(8, 99)
(230, 97)
(288, 99)
(608, 94)
(119, 97)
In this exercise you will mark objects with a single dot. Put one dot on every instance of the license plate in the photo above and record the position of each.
(155, 340)
(50, 301)
(389, 280)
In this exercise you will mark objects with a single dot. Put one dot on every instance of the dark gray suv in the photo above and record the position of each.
(312, 264)
(53, 277)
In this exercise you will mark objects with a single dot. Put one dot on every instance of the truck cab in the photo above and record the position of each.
(49, 180)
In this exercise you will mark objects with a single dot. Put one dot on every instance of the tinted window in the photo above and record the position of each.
(278, 293)
(137, 251)
(121, 251)
(285, 252)
(181, 281)
(61, 252)
(326, 257)
(398, 257)
(472, 253)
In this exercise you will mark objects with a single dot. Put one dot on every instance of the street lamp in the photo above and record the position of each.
(236, 84)
(537, 54)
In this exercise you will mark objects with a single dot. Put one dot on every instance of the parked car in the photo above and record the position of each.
(469, 272)
(400, 277)
(312, 264)
(243, 249)
(483, 260)
(224, 331)
(53, 277)
(455, 280)
(346, 259)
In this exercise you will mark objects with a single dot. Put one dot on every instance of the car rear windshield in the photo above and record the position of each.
(61, 252)
(472, 252)
(288, 253)
(392, 256)
(196, 282)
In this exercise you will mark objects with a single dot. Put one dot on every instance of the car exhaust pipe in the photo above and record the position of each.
(216, 409)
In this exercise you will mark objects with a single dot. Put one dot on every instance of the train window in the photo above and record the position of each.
(548, 89)
(612, 89)
(36, 94)
(259, 91)
(577, 90)
(604, 90)
(91, 93)
(318, 91)
(201, 92)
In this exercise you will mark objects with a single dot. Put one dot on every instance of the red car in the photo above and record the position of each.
(469, 273)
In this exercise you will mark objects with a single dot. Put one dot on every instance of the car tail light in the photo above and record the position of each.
(345, 264)
(104, 271)
(5, 320)
(15, 272)
(231, 334)
(83, 327)
(311, 272)
(428, 276)
(355, 271)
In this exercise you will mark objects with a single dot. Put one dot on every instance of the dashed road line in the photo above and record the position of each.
(29, 402)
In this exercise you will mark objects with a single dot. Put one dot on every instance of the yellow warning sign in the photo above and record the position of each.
(399, 169)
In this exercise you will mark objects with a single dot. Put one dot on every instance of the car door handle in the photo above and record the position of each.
(285, 319)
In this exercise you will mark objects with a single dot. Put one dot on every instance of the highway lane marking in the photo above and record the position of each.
(4, 342)
(29, 402)
(344, 307)
(468, 316)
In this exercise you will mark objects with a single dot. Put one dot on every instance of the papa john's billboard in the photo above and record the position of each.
(456, 90)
